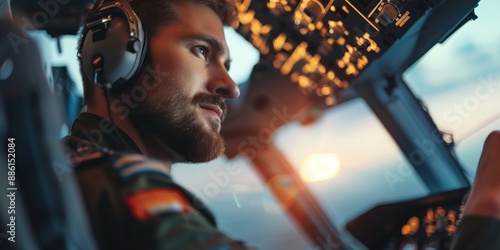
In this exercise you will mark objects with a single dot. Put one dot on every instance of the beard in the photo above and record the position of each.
(172, 128)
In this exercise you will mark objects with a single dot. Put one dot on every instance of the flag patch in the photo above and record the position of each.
(152, 202)
(130, 166)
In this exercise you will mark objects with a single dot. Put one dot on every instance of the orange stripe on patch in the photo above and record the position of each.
(145, 204)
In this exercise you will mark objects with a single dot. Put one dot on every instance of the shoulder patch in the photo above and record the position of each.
(129, 166)
(77, 159)
(152, 202)
(91, 159)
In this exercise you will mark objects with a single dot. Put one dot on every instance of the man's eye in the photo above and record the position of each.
(202, 50)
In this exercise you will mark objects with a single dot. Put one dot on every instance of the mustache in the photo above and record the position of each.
(203, 98)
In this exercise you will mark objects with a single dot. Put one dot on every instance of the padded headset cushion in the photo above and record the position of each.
(119, 64)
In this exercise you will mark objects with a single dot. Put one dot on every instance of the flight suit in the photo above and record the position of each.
(132, 201)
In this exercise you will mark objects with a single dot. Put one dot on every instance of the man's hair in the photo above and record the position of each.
(155, 14)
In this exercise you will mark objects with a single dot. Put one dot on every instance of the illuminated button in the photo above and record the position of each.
(313, 9)
(330, 101)
(450, 223)
(355, 56)
(406, 230)
(325, 90)
(388, 14)
(362, 42)
(335, 30)
(307, 14)
(413, 223)
(278, 7)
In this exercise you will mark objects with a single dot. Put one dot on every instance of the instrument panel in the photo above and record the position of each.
(422, 224)
(321, 45)
(432, 230)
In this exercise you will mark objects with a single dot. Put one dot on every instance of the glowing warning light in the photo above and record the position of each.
(319, 167)
(326, 90)
(330, 101)
(304, 82)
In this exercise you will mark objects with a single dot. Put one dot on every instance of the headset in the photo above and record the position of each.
(113, 44)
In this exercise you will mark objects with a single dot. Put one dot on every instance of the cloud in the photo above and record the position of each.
(470, 52)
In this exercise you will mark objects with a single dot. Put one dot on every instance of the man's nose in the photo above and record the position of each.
(221, 84)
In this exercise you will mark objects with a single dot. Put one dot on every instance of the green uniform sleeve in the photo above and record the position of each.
(137, 206)
(477, 233)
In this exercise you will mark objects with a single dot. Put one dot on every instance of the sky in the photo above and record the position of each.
(459, 81)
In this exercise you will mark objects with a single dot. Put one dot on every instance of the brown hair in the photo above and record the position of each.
(157, 13)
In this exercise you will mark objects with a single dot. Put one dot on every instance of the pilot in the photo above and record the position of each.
(155, 76)
(480, 225)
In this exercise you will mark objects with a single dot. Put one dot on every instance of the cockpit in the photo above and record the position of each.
(359, 126)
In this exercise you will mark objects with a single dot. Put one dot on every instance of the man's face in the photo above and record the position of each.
(180, 120)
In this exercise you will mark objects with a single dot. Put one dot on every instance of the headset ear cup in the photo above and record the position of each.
(119, 45)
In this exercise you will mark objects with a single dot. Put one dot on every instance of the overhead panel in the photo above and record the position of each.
(321, 45)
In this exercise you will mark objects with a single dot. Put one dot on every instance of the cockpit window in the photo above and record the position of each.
(459, 82)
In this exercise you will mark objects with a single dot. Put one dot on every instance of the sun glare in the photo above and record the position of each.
(319, 167)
